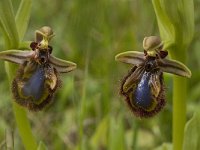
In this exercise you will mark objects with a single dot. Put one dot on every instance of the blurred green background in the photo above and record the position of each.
(88, 111)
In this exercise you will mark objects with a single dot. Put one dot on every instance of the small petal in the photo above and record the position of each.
(131, 57)
(61, 65)
(16, 56)
(174, 67)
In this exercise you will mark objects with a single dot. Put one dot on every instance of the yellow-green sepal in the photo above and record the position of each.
(16, 56)
(131, 57)
(174, 67)
(61, 65)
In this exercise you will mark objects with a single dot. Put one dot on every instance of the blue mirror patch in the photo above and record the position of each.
(35, 85)
(142, 96)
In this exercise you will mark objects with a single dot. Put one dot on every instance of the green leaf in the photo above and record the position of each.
(99, 137)
(181, 15)
(195, 92)
(117, 134)
(5, 36)
(192, 134)
(24, 45)
(165, 146)
(8, 23)
(176, 22)
(22, 17)
(41, 146)
(165, 26)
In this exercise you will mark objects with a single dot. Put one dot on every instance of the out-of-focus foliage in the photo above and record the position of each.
(91, 33)
(192, 137)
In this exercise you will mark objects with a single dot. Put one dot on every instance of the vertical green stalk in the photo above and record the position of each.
(176, 26)
(24, 128)
(82, 112)
(179, 103)
(179, 111)
(22, 121)
(13, 30)
(135, 128)
(83, 102)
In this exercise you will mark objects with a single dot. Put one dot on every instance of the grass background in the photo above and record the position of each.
(88, 112)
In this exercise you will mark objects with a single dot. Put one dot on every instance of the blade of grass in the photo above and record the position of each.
(100, 138)
(9, 139)
(116, 133)
(5, 36)
(8, 23)
(191, 134)
(22, 17)
(83, 102)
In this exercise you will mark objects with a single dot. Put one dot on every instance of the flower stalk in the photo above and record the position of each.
(176, 26)
(10, 29)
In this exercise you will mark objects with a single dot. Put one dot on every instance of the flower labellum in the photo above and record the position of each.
(143, 87)
(37, 77)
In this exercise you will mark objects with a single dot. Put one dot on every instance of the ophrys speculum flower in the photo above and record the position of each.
(143, 87)
(37, 77)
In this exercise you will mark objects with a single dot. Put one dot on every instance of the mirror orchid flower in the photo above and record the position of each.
(37, 78)
(143, 87)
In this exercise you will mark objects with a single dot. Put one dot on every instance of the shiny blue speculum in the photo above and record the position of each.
(142, 97)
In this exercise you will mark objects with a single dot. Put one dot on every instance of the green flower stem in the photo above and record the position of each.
(179, 102)
(179, 111)
(24, 128)
(22, 121)
(176, 26)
